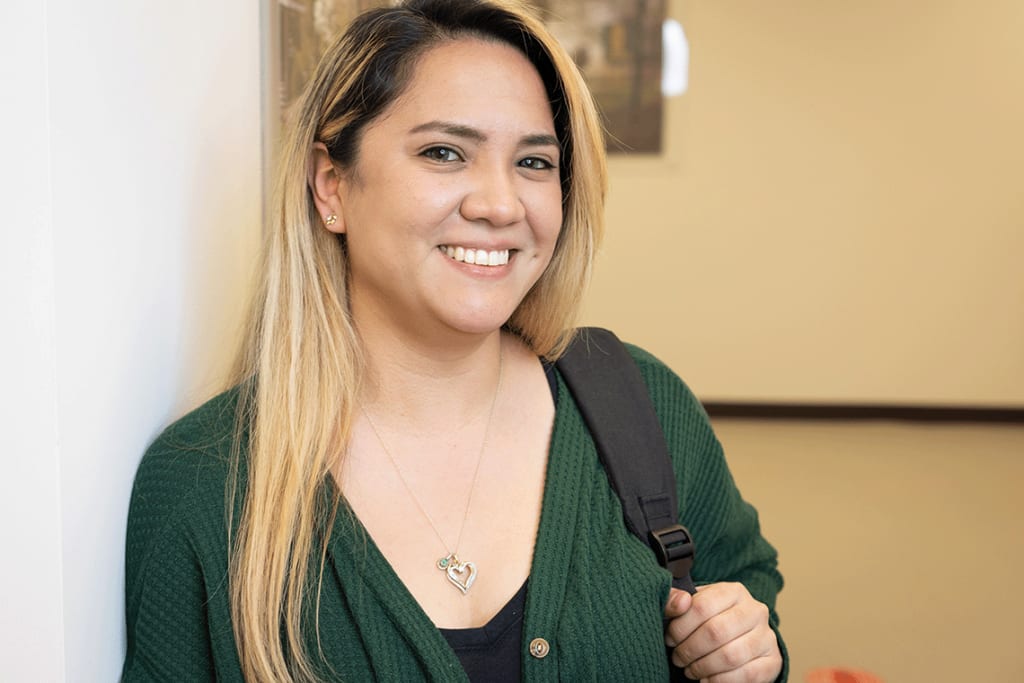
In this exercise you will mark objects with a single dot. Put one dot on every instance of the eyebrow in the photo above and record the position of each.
(470, 133)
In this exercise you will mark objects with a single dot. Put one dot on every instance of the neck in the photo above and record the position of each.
(430, 384)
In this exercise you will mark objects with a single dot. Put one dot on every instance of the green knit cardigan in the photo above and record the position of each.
(595, 593)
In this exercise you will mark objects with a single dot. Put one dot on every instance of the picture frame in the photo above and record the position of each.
(616, 43)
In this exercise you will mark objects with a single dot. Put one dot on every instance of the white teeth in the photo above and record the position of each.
(478, 257)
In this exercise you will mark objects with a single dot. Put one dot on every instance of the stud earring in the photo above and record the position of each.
(331, 219)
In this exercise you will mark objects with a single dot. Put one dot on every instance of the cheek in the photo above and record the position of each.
(429, 203)
(551, 235)
(550, 219)
(543, 204)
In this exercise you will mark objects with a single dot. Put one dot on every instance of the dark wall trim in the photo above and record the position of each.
(839, 411)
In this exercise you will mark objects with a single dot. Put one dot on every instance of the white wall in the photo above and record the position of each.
(131, 213)
(31, 619)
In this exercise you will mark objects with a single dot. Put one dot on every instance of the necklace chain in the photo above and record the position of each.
(460, 574)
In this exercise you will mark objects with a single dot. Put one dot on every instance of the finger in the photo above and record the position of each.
(735, 623)
(761, 670)
(709, 601)
(678, 603)
(750, 657)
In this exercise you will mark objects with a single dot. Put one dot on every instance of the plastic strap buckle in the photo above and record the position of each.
(674, 548)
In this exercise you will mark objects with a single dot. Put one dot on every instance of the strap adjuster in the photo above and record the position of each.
(674, 548)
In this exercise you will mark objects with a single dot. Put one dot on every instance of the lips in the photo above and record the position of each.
(478, 257)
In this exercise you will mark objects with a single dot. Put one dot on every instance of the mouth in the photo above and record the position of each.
(477, 257)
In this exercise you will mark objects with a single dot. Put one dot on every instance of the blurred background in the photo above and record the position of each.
(835, 217)
(838, 218)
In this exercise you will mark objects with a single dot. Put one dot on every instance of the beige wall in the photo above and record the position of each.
(901, 544)
(839, 212)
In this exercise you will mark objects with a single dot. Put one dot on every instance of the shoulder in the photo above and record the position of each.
(602, 370)
(672, 397)
(684, 422)
(176, 551)
(654, 370)
(181, 482)
(199, 442)
(697, 456)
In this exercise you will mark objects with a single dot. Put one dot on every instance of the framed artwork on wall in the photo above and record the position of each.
(616, 43)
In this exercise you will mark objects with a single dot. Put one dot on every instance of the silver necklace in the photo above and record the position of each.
(460, 573)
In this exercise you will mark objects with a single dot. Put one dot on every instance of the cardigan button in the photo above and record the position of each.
(539, 648)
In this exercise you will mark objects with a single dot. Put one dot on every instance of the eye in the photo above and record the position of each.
(536, 164)
(441, 154)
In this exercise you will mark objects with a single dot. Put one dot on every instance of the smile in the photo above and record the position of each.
(477, 257)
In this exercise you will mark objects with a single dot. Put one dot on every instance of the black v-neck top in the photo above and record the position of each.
(490, 653)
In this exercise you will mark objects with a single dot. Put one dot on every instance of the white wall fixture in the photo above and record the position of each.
(675, 56)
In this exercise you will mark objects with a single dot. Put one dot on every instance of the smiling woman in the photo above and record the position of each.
(466, 160)
(397, 485)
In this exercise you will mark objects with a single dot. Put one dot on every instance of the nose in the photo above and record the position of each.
(493, 197)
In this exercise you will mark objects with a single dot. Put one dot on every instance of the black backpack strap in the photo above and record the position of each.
(612, 396)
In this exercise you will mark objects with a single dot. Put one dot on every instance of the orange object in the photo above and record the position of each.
(832, 675)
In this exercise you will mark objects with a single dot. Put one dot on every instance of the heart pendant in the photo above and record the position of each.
(462, 575)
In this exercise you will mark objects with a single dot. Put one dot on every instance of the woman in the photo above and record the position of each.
(397, 488)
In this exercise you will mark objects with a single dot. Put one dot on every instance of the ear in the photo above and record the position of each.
(324, 183)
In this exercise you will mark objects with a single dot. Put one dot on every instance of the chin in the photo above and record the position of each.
(477, 328)
(484, 322)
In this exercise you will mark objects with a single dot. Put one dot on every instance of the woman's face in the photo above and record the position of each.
(454, 204)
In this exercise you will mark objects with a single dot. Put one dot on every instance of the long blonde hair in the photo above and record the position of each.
(299, 366)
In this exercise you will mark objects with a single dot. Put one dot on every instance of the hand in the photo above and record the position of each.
(721, 635)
